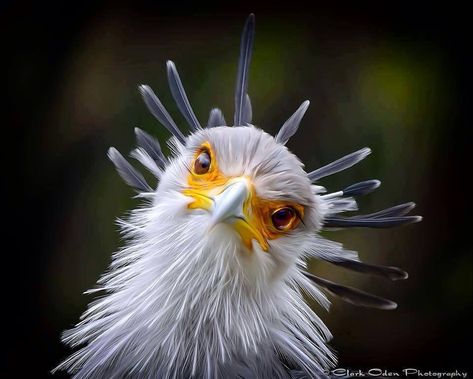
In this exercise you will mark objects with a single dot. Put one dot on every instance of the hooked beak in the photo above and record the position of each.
(230, 204)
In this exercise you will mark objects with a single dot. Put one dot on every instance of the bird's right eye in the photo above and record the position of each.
(284, 218)
(202, 163)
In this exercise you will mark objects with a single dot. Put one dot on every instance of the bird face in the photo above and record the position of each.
(240, 185)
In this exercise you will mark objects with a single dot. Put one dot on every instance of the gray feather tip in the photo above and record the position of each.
(170, 65)
(365, 151)
(403, 276)
(112, 152)
(143, 88)
(390, 305)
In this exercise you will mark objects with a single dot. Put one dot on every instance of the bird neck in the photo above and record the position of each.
(179, 306)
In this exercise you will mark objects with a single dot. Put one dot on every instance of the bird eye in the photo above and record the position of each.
(283, 218)
(202, 163)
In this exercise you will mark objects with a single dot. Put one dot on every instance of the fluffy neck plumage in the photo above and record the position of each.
(179, 304)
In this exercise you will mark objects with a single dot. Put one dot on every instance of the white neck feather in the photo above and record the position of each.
(188, 305)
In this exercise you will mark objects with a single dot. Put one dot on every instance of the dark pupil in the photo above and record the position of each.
(282, 217)
(202, 163)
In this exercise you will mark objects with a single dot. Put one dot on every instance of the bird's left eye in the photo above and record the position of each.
(202, 163)
(283, 218)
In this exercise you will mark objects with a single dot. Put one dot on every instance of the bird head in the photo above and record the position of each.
(211, 280)
(243, 192)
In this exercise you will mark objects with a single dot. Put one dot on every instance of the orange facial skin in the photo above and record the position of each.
(257, 223)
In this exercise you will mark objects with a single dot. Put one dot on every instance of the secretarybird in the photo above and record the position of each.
(211, 280)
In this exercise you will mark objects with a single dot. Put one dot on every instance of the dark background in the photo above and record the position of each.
(388, 76)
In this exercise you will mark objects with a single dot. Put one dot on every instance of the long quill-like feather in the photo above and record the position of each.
(369, 222)
(292, 124)
(179, 95)
(128, 173)
(157, 110)
(241, 89)
(216, 118)
(247, 115)
(151, 146)
(340, 164)
(397, 210)
(393, 273)
(352, 295)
